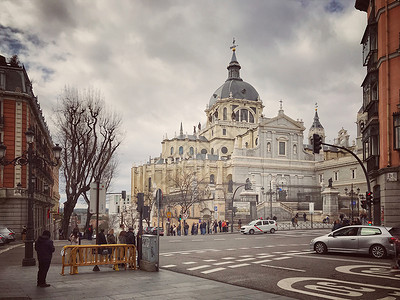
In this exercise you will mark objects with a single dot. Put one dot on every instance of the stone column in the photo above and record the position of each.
(330, 206)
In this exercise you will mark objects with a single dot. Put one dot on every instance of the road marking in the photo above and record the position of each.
(166, 254)
(281, 258)
(219, 239)
(346, 260)
(246, 259)
(169, 266)
(209, 260)
(279, 252)
(240, 238)
(213, 270)
(200, 240)
(189, 262)
(223, 263)
(293, 250)
(369, 270)
(256, 247)
(238, 266)
(197, 268)
(244, 248)
(283, 268)
(232, 249)
(265, 256)
(228, 258)
(259, 237)
(246, 256)
(261, 261)
(9, 248)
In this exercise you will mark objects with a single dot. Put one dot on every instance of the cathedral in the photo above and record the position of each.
(243, 165)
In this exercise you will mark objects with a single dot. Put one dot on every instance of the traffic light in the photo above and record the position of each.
(364, 204)
(140, 202)
(180, 218)
(317, 143)
(369, 198)
(123, 195)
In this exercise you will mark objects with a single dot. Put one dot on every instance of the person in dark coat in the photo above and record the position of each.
(102, 238)
(44, 248)
(130, 237)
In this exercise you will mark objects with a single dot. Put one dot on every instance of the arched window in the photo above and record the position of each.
(268, 147)
(212, 178)
(203, 151)
(172, 150)
(191, 151)
(247, 144)
(251, 117)
(244, 115)
(256, 141)
(180, 150)
(294, 149)
(230, 186)
(225, 113)
(212, 151)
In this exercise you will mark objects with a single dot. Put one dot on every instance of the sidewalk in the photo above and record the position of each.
(19, 282)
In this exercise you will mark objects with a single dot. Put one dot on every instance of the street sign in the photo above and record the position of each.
(311, 207)
(93, 198)
(185, 216)
(169, 214)
(215, 208)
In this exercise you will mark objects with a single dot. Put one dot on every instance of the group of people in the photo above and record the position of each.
(203, 227)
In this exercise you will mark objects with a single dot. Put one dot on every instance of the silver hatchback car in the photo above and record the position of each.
(373, 240)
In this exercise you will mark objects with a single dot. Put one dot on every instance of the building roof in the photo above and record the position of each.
(234, 86)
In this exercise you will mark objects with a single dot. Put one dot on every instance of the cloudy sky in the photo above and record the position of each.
(158, 62)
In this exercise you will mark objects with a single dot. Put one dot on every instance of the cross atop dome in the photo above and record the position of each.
(233, 47)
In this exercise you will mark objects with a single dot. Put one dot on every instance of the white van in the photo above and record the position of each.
(259, 226)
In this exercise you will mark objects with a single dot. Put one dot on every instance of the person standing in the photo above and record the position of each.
(44, 247)
(130, 237)
(240, 224)
(23, 233)
(74, 237)
(102, 238)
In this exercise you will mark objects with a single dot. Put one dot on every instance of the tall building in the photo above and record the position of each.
(20, 111)
(381, 104)
(238, 144)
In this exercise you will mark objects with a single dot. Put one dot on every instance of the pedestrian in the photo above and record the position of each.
(174, 230)
(186, 228)
(74, 237)
(215, 226)
(192, 231)
(101, 237)
(121, 252)
(44, 248)
(305, 217)
(240, 224)
(275, 218)
(220, 225)
(130, 237)
(122, 237)
(111, 237)
(23, 233)
(130, 240)
(179, 229)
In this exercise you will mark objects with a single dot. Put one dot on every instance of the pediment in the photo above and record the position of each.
(284, 122)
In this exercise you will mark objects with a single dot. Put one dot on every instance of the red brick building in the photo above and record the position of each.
(19, 111)
(381, 104)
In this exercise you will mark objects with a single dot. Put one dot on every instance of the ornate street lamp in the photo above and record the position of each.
(29, 158)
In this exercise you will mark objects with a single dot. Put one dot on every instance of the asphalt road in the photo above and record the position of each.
(281, 263)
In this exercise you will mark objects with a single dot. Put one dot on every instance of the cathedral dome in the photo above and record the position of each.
(234, 86)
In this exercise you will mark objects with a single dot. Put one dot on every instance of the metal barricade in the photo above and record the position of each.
(75, 256)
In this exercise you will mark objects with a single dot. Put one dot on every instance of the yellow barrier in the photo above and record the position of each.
(75, 256)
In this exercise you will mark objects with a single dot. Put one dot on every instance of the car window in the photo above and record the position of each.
(348, 231)
(265, 222)
(259, 223)
(370, 231)
(271, 222)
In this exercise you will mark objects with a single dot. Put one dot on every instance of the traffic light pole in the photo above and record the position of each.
(369, 204)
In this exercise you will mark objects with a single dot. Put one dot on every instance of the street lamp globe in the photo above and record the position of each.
(57, 151)
(30, 136)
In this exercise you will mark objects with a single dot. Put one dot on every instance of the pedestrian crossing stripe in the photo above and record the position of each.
(213, 270)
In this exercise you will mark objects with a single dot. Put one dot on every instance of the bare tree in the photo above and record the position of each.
(89, 136)
(187, 189)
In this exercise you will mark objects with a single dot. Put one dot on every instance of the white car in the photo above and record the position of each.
(259, 226)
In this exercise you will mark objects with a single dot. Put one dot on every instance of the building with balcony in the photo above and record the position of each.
(20, 111)
(381, 105)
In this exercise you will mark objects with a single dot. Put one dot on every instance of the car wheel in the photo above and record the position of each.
(377, 251)
(272, 230)
(251, 231)
(320, 248)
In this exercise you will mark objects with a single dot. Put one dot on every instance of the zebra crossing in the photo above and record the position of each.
(207, 266)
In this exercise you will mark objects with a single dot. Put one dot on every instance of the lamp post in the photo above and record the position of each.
(29, 158)
(352, 194)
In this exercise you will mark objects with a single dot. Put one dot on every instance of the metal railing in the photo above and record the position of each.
(303, 225)
(75, 256)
